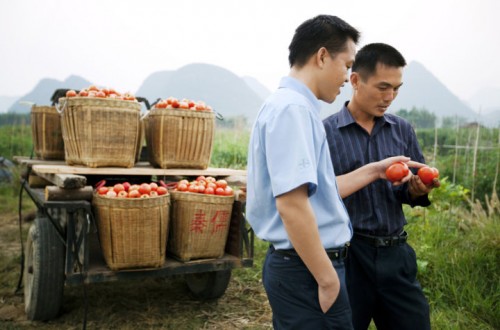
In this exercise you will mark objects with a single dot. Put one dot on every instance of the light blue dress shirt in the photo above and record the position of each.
(287, 149)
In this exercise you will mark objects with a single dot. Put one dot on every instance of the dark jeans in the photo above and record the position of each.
(293, 295)
(382, 285)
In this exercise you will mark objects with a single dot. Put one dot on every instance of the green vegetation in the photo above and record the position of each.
(456, 241)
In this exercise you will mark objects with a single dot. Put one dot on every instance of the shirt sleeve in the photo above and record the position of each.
(290, 150)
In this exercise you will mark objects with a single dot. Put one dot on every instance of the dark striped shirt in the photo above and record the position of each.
(377, 208)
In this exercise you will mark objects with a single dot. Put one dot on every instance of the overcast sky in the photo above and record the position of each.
(120, 43)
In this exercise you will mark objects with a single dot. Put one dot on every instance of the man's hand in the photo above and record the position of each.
(328, 295)
(417, 188)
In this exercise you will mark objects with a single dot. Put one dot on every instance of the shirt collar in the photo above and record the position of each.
(301, 88)
(346, 118)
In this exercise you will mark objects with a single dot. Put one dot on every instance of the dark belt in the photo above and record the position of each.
(333, 254)
(378, 241)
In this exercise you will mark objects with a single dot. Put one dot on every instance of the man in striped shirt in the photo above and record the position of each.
(381, 267)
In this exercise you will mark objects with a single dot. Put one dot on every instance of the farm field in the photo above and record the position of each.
(456, 240)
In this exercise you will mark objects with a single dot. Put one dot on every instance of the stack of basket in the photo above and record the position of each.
(199, 225)
(100, 132)
(178, 138)
(47, 134)
(133, 232)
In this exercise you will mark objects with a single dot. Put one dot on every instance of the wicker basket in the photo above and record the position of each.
(179, 138)
(199, 225)
(133, 231)
(47, 135)
(100, 132)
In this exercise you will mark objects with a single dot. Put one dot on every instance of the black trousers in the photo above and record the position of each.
(382, 285)
(293, 295)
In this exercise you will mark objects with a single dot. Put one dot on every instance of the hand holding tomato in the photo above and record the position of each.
(428, 174)
(397, 172)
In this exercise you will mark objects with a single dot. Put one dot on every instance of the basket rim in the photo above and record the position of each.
(190, 196)
(98, 101)
(180, 112)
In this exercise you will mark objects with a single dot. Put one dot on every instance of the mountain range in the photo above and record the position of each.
(231, 95)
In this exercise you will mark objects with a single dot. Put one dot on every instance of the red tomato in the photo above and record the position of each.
(144, 189)
(161, 191)
(193, 188)
(118, 187)
(70, 93)
(93, 88)
(161, 105)
(175, 103)
(111, 193)
(397, 171)
(134, 193)
(428, 174)
(144, 196)
(102, 190)
(153, 193)
(122, 194)
(209, 191)
(221, 183)
(220, 191)
(126, 185)
(83, 93)
(153, 186)
(100, 94)
(133, 187)
(201, 177)
(182, 187)
(228, 191)
(183, 105)
(201, 189)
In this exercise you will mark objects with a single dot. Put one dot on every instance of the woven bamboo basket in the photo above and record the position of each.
(100, 132)
(133, 232)
(47, 134)
(199, 225)
(178, 138)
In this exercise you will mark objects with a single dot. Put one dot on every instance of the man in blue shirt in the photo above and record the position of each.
(292, 197)
(381, 267)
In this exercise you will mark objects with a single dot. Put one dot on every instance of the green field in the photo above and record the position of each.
(456, 240)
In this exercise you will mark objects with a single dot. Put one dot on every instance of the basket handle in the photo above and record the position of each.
(148, 106)
(59, 108)
(218, 115)
(100, 184)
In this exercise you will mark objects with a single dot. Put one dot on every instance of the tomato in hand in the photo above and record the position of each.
(397, 171)
(428, 174)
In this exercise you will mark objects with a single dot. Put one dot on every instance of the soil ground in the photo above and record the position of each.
(161, 303)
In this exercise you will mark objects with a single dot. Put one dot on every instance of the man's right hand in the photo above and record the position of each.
(328, 294)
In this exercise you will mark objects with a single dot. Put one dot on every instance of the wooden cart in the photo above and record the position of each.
(63, 249)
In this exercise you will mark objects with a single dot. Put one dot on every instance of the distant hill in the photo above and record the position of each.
(227, 93)
(6, 102)
(232, 95)
(486, 100)
(43, 91)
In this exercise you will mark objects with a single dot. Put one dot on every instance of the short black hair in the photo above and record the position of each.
(367, 58)
(326, 31)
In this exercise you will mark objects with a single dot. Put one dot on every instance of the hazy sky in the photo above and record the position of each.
(120, 43)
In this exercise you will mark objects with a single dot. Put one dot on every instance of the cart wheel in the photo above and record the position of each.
(210, 285)
(43, 271)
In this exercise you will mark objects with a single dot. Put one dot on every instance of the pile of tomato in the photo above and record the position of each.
(127, 190)
(94, 91)
(187, 104)
(205, 185)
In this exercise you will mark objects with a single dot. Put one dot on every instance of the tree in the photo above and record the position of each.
(419, 118)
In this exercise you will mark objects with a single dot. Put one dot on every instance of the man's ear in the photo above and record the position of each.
(355, 79)
(320, 56)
